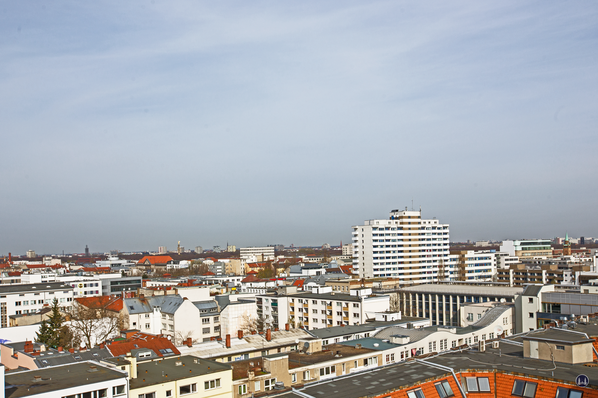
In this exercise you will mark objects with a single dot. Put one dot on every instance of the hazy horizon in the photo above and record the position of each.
(137, 125)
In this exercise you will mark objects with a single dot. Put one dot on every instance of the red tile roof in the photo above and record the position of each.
(142, 340)
(346, 269)
(298, 283)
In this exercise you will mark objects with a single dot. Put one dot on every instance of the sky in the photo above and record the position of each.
(132, 125)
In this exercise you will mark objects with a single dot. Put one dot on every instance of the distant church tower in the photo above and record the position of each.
(86, 251)
(566, 246)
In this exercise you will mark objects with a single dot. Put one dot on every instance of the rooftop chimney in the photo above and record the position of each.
(189, 342)
(240, 334)
(60, 349)
(72, 350)
(228, 341)
(287, 327)
(268, 334)
(28, 346)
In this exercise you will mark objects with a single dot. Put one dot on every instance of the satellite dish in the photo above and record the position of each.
(498, 330)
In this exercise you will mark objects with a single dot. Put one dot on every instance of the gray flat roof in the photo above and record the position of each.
(408, 374)
(22, 384)
(34, 287)
(335, 331)
(559, 335)
(465, 289)
(150, 372)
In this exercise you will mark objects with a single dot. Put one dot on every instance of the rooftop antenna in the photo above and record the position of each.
(411, 204)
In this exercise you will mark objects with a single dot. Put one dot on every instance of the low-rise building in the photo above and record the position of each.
(441, 303)
(83, 379)
(319, 309)
(31, 298)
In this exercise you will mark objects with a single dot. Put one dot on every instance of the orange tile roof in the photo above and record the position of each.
(110, 303)
(155, 260)
(298, 283)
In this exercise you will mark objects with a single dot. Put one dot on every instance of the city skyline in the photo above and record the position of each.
(133, 125)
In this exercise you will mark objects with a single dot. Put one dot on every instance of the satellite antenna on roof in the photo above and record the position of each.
(498, 330)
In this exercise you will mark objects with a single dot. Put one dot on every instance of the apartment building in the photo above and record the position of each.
(175, 316)
(527, 248)
(522, 274)
(83, 379)
(31, 298)
(475, 265)
(498, 369)
(177, 376)
(442, 303)
(403, 246)
(319, 309)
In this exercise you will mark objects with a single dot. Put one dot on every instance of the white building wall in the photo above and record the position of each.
(403, 246)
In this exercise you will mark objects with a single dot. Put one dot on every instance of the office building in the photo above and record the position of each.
(527, 248)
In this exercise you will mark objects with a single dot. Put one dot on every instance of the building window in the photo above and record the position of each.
(257, 386)
(328, 370)
(147, 395)
(205, 330)
(474, 384)
(191, 388)
(524, 388)
(205, 320)
(306, 375)
(168, 393)
(210, 385)
(269, 384)
(293, 377)
(562, 392)
(530, 300)
(531, 314)
(416, 393)
(444, 389)
(243, 389)
(118, 390)
(560, 347)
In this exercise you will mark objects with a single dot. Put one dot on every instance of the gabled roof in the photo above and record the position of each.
(110, 303)
(168, 304)
(346, 269)
(155, 260)
(298, 283)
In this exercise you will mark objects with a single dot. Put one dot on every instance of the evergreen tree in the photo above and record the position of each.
(49, 331)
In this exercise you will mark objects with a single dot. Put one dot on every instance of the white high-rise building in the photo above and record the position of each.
(404, 246)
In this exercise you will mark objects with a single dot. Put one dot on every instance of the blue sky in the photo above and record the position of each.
(130, 125)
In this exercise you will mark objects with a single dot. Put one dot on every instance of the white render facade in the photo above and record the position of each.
(264, 253)
(404, 247)
(31, 298)
(319, 310)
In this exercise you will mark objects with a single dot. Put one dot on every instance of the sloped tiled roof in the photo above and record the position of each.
(159, 345)
(155, 260)
(110, 303)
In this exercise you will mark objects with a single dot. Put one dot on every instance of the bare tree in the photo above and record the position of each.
(94, 324)
(394, 302)
(257, 324)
